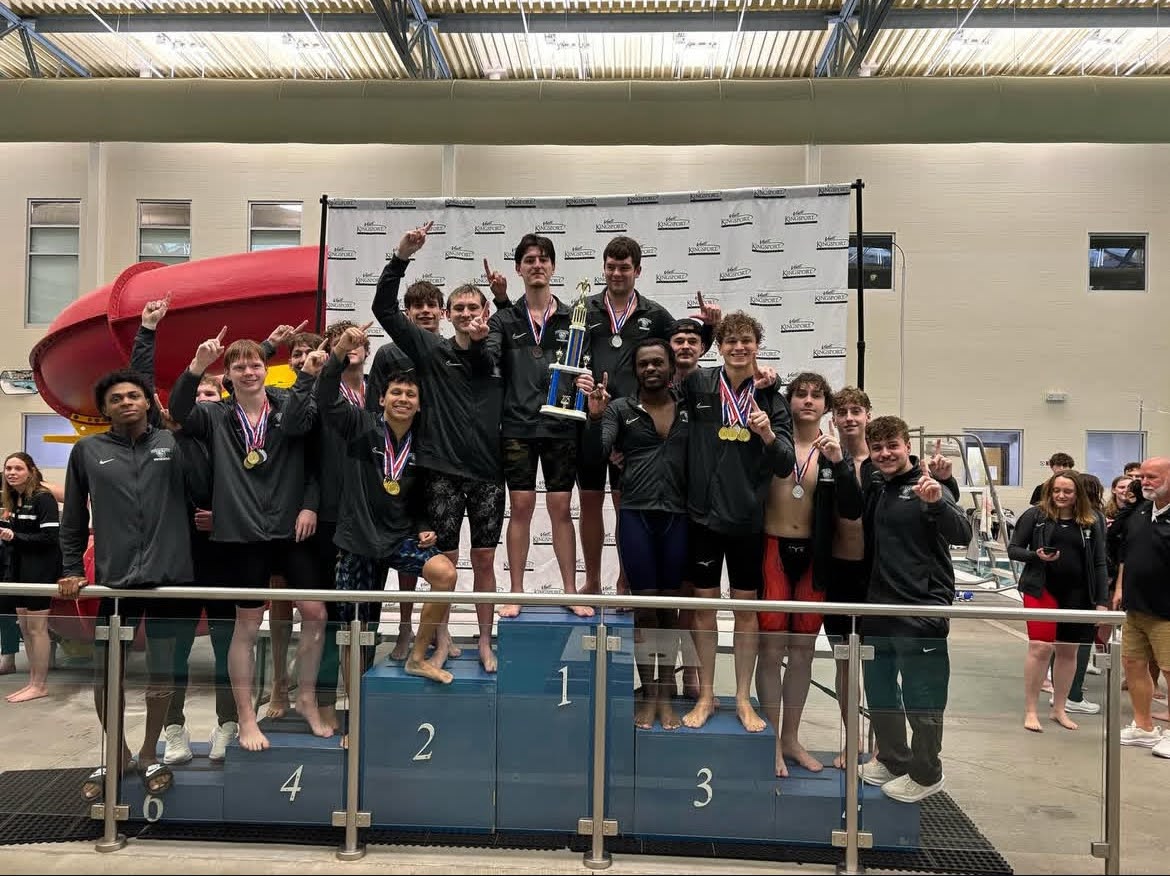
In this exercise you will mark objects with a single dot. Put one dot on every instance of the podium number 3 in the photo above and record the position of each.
(564, 674)
(423, 754)
(705, 775)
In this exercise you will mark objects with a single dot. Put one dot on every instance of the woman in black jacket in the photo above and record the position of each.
(30, 525)
(1061, 542)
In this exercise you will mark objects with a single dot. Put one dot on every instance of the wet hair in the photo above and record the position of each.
(1082, 506)
(405, 377)
(848, 396)
(305, 339)
(622, 247)
(813, 380)
(125, 375)
(422, 292)
(646, 343)
(467, 289)
(886, 429)
(31, 488)
(1061, 459)
(738, 323)
(244, 348)
(542, 243)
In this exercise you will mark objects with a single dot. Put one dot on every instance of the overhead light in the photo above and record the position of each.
(962, 42)
(494, 73)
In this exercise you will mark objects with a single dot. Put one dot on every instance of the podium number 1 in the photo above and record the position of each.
(423, 754)
(564, 674)
(706, 776)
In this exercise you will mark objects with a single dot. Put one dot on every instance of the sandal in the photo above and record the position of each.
(95, 783)
(157, 778)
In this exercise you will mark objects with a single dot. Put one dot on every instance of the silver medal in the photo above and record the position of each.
(798, 492)
(615, 341)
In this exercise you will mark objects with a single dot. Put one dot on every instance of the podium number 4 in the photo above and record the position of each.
(423, 754)
(705, 775)
(292, 785)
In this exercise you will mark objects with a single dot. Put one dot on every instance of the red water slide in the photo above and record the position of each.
(250, 293)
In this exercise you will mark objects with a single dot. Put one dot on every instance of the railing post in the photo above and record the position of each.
(597, 858)
(111, 840)
(852, 732)
(1113, 760)
(352, 819)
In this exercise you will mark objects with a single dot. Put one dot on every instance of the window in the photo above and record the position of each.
(878, 261)
(1002, 447)
(1117, 263)
(164, 231)
(47, 454)
(54, 241)
(1106, 453)
(274, 224)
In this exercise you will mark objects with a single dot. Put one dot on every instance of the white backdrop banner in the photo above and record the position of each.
(779, 253)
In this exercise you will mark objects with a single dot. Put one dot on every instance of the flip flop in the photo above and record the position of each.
(157, 778)
(95, 783)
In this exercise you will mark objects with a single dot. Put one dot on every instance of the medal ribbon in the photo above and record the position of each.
(616, 322)
(552, 305)
(798, 470)
(393, 463)
(735, 406)
(357, 399)
(253, 438)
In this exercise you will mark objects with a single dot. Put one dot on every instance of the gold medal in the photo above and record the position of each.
(391, 486)
(744, 434)
(723, 433)
(252, 459)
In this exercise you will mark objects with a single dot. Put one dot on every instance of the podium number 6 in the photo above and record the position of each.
(706, 776)
(423, 754)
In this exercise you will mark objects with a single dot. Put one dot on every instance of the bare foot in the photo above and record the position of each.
(329, 717)
(487, 656)
(509, 610)
(691, 682)
(667, 716)
(752, 722)
(426, 670)
(581, 610)
(781, 766)
(1031, 722)
(700, 714)
(439, 656)
(1064, 721)
(345, 741)
(453, 651)
(307, 708)
(793, 750)
(403, 643)
(278, 705)
(644, 714)
(27, 693)
(251, 739)
(840, 760)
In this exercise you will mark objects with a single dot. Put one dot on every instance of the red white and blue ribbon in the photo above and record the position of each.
(616, 322)
(735, 404)
(254, 438)
(394, 463)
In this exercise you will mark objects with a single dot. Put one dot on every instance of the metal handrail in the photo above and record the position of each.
(857, 609)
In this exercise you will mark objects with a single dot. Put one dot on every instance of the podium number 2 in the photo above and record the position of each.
(564, 674)
(423, 754)
(705, 775)
(292, 785)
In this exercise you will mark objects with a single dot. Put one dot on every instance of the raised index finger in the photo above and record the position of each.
(937, 446)
(427, 227)
(321, 346)
(300, 328)
(222, 334)
(699, 297)
(365, 328)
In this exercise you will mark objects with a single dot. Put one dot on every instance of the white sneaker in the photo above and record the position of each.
(178, 748)
(221, 737)
(1083, 706)
(1093, 668)
(874, 772)
(905, 790)
(1162, 749)
(1135, 735)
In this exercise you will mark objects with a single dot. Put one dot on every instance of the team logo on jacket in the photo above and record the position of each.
(735, 272)
(460, 252)
(829, 351)
(581, 252)
(611, 226)
(767, 353)
(832, 190)
(671, 276)
(580, 202)
(833, 241)
(434, 279)
(703, 247)
(643, 324)
(797, 324)
(735, 219)
(366, 278)
(562, 336)
(768, 244)
(641, 199)
(160, 454)
(674, 223)
(768, 299)
(490, 227)
(342, 253)
(550, 226)
(400, 204)
(706, 196)
(801, 217)
(520, 202)
(462, 203)
(371, 227)
(831, 296)
(339, 303)
(770, 192)
(799, 271)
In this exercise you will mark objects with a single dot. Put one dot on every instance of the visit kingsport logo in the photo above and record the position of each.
(491, 227)
(342, 203)
(366, 278)
(612, 226)
(798, 324)
(672, 276)
(833, 241)
(801, 217)
(581, 252)
(435, 279)
(693, 301)
(649, 252)
(520, 202)
(706, 196)
(735, 219)
(459, 252)
(400, 204)
(735, 272)
(641, 199)
(767, 353)
(371, 227)
(830, 296)
(580, 202)
(463, 203)
(339, 303)
(674, 223)
(342, 253)
(829, 351)
(768, 244)
(768, 299)
(797, 271)
(550, 226)
(770, 192)
(832, 190)
(703, 247)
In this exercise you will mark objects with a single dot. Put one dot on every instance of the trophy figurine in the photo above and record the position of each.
(564, 399)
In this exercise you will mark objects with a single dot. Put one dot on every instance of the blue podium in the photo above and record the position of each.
(298, 779)
(196, 795)
(429, 750)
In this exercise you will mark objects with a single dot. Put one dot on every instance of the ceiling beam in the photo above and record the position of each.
(593, 22)
(853, 34)
(29, 35)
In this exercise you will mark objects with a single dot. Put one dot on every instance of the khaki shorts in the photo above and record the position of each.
(1146, 637)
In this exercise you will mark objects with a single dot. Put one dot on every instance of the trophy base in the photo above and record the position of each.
(566, 413)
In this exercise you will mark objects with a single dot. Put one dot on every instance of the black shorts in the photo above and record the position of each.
(252, 564)
(744, 555)
(847, 583)
(591, 468)
(557, 457)
(448, 496)
(158, 615)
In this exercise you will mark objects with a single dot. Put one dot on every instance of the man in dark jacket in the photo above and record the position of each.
(910, 522)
